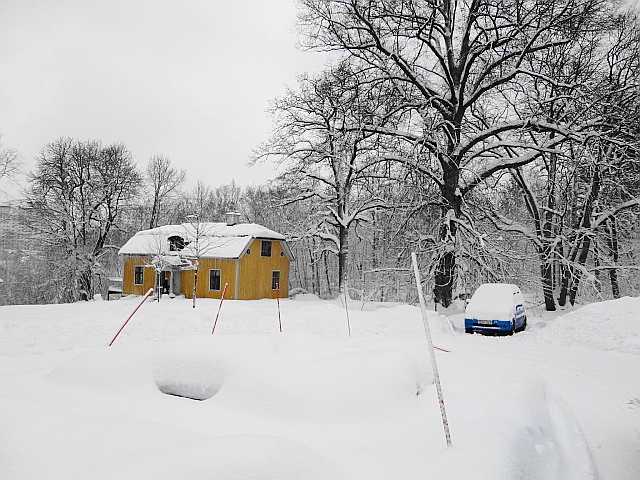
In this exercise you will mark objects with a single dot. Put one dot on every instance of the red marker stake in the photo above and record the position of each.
(219, 307)
(278, 300)
(149, 293)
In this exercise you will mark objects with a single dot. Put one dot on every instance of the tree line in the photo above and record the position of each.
(498, 140)
(510, 128)
(83, 201)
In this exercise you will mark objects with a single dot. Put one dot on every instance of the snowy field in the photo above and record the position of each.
(171, 401)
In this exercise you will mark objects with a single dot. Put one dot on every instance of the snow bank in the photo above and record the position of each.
(612, 325)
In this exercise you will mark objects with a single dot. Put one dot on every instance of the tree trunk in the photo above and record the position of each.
(452, 210)
(315, 270)
(612, 244)
(582, 259)
(155, 210)
(157, 285)
(546, 275)
(343, 260)
(327, 274)
(564, 286)
(195, 283)
(443, 289)
(85, 284)
(548, 231)
(585, 227)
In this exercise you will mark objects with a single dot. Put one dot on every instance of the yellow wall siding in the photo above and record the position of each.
(186, 283)
(128, 288)
(227, 269)
(255, 272)
(254, 275)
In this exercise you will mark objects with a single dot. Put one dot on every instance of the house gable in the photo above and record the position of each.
(128, 285)
(256, 271)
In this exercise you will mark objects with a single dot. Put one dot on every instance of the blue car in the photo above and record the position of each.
(496, 308)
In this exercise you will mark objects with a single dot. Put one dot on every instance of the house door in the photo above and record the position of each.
(170, 282)
(165, 282)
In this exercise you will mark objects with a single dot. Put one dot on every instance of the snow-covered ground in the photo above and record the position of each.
(170, 400)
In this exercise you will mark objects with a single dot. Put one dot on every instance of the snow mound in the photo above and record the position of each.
(198, 375)
(291, 376)
(613, 325)
(287, 376)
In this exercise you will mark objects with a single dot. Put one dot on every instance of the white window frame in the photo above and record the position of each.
(270, 242)
(219, 270)
(135, 274)
(273, 285)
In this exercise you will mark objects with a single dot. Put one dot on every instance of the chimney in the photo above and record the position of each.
(232, 218)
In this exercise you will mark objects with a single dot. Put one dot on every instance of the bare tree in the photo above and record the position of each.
(195, 248)
(454, 63)
(328, 155)
(9, 162)
(573, 194)
(198, 231)
(162, 180)
(77, 193)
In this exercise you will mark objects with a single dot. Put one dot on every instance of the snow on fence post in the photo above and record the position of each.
(148, 294)
(278, 300)
(219, 307)
(432, 355)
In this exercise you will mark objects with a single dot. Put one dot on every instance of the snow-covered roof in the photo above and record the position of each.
(214, 240)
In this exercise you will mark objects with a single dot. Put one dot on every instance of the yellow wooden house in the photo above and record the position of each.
(250, 259)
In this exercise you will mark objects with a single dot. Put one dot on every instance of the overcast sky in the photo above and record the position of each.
(185, 78)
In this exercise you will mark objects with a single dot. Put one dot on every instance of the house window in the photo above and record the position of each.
(138, 275)
(176, 243)
(214, 279)
(266, 248)
(275, 280)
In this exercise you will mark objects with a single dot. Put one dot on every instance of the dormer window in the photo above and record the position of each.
(176, 243)
(265, 251)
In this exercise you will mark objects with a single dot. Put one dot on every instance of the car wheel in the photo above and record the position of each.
(468, 330)
(512, 329)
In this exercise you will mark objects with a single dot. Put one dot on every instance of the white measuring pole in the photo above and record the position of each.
(432, 355)
(346, 310)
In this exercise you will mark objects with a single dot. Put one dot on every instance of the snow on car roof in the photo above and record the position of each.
(492, 301)
(217, 240)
